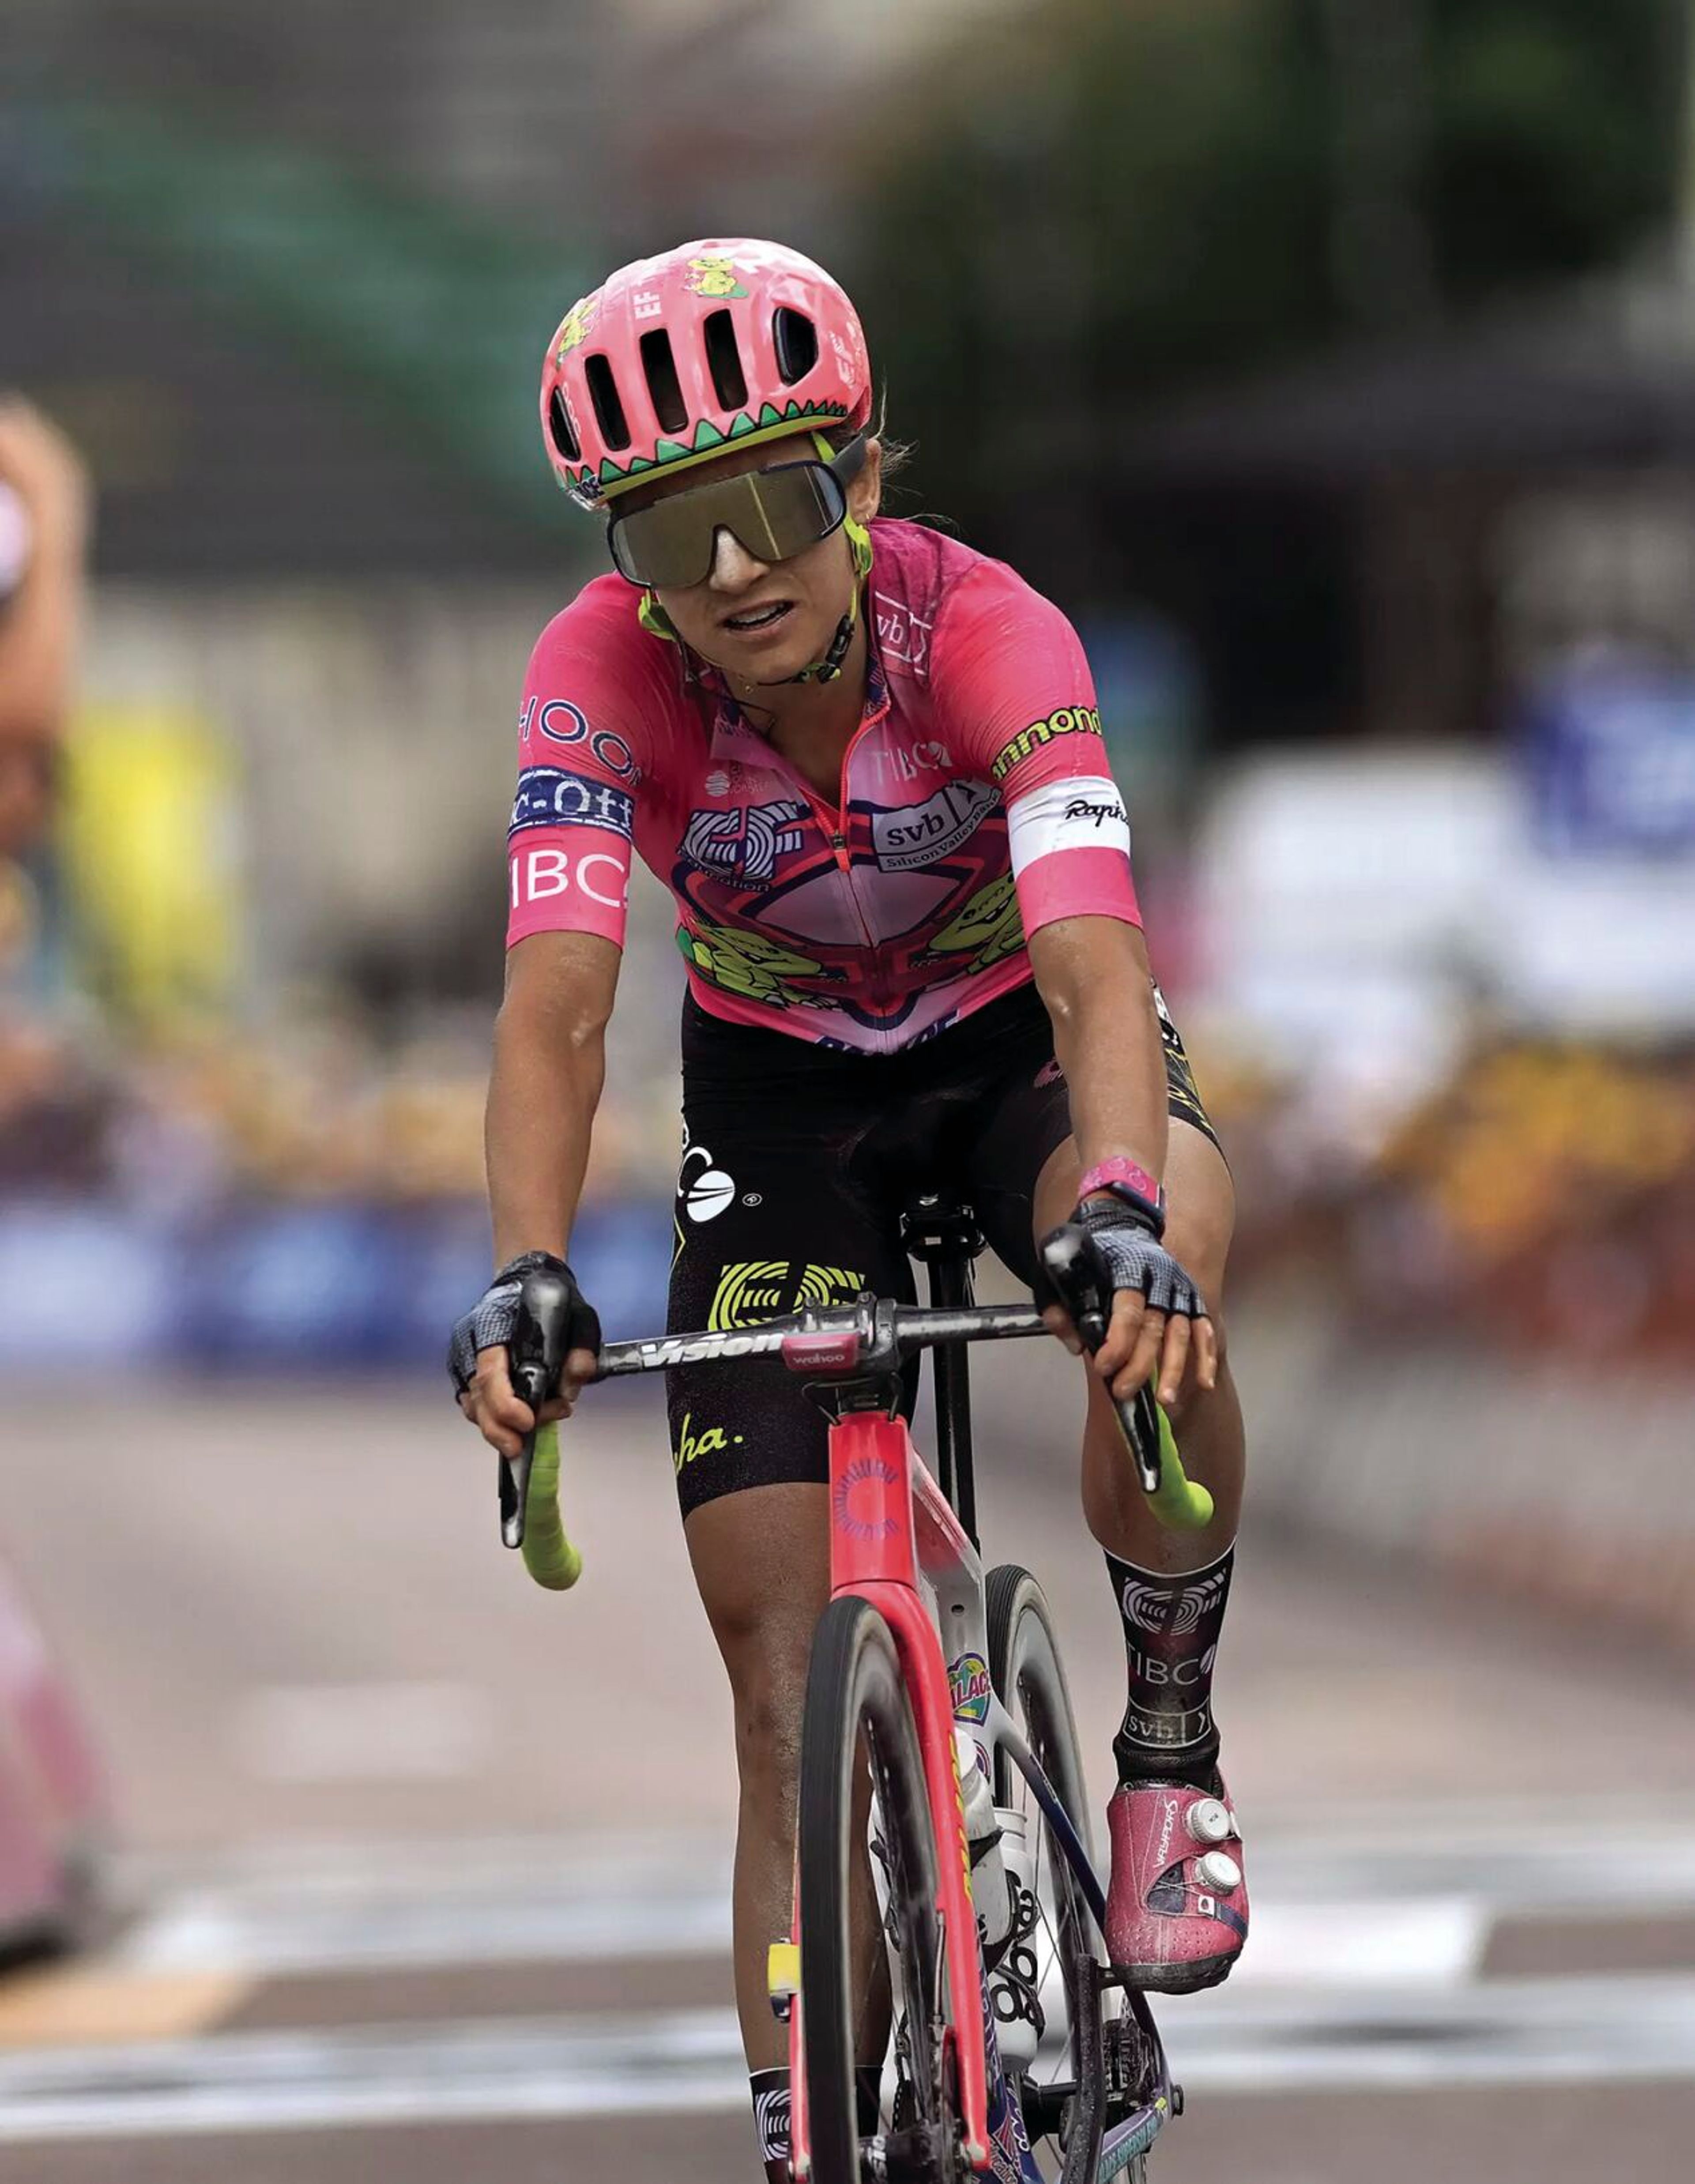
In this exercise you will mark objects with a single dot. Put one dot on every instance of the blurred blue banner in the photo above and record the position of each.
(272, 1287)
(1611, 752)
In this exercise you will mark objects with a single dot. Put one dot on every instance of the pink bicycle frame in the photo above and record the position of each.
(895, 1542)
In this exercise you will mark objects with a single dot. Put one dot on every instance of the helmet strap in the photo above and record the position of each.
(859, 543)
(656, 621)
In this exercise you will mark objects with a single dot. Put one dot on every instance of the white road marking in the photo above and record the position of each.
(1505, 2032)
(522, 1928)
(1360, 1976)
(1363, 1942)
(500, 1901)
(1327, 1911)
(1541, 2032)
(682, 2062)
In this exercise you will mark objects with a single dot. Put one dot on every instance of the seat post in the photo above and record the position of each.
(942, 1234)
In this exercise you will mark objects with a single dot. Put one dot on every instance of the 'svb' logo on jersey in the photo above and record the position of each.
(745, 842)
(919, 833)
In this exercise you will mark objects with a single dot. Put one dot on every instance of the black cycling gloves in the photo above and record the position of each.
(1123, 1242)
(492, 1317)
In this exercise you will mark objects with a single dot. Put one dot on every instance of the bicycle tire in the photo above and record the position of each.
(855, 1691)
(1028, 1678)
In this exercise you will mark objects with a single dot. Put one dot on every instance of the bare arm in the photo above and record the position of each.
(549, 1067)
(1094, 976)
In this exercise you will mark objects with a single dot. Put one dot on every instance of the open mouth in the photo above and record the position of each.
(758, 618)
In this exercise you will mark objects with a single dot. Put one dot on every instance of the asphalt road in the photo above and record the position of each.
(424, 1871)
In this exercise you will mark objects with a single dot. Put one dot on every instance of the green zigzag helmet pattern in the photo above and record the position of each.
(707, 435)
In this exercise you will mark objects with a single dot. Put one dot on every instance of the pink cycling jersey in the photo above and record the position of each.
(975, 807)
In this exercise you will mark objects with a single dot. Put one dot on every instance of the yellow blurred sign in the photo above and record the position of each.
(150, 837)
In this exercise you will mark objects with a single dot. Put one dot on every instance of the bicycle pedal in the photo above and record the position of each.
(781, 1978)
(1047, 2108)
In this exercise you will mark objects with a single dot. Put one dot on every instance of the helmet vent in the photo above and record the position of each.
(664, 389)
(723, 359)
(559, 424)
(797, 344)
(608, 410)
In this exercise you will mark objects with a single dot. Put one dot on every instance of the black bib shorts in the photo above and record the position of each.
(797, 1162)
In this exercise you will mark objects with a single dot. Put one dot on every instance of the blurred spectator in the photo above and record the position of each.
(43, 531)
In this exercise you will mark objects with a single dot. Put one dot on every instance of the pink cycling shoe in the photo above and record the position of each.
(1177, 1909)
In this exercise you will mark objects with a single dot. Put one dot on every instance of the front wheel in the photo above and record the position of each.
(859, 1715)
(1043, 1990)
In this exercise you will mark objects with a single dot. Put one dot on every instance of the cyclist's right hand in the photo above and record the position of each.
(477, 1355)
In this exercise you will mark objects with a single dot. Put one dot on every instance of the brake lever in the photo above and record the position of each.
(1068, 1264)
(534, 1355)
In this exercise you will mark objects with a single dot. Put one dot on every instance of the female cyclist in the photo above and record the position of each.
(867, 762)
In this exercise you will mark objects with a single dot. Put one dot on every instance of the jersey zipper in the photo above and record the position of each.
(831, 824)
(838, 841)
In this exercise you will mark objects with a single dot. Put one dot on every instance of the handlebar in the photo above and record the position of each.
(870, 1337)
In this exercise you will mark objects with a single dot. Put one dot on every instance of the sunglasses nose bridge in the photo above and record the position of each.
(734, 567)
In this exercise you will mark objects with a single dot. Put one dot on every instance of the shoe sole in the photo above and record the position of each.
(1177, 1978)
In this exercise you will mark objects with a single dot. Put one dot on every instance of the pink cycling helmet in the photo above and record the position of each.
(711, 345)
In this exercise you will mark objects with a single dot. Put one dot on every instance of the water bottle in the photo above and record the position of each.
(1012, 1983)
(989, 1887)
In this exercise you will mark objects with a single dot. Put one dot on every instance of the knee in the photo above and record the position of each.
(1198, 1231)
(767, 1664)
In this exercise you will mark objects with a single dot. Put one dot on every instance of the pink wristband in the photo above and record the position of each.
(1119, 1170)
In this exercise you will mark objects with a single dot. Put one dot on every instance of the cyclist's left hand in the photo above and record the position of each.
(1159, 1320)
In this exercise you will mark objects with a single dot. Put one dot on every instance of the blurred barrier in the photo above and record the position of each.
(274, 1287)
(1563, 1482)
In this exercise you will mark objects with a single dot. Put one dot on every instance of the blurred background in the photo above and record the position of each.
(1332, 362)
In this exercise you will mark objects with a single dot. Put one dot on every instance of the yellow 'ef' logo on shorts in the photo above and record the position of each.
(768, 1289)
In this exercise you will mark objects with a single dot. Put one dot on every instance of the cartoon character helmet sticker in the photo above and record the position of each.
(574, 328)
(715, 344)
(714, 276)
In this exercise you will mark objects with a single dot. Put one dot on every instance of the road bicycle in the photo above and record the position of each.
(921, 1664)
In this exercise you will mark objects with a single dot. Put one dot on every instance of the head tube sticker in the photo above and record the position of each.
(969, 1685)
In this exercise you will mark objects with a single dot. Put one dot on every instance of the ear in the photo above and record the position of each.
(865, 493)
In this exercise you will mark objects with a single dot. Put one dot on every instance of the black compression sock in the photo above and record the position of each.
(770, 2090)
(1171, 1635)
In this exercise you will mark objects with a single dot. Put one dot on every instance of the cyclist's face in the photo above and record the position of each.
(719, 618)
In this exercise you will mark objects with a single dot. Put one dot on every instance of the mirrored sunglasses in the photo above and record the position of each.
(771, 514)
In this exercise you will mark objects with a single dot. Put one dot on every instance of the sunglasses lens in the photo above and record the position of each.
(774, 514)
